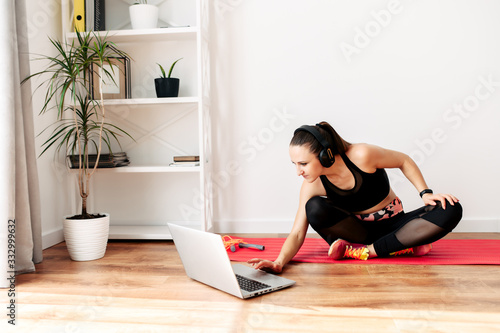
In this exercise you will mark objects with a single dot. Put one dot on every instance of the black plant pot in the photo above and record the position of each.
(167, 87)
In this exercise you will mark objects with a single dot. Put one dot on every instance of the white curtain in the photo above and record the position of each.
(19, 189)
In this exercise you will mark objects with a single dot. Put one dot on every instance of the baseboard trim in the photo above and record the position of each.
(252, 226)
(282, 226)
(55, 236)
(52, 237)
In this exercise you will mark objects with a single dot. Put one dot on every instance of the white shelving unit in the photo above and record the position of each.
(149, 101)
(165, 124)
(146, 35)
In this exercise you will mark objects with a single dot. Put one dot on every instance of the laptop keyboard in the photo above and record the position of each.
(250, 285)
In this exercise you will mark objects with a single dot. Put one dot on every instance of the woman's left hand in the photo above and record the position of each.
(430, 199)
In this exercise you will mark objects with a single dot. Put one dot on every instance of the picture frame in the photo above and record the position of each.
(118, 85)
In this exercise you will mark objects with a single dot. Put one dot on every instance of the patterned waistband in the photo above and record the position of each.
(392, 209)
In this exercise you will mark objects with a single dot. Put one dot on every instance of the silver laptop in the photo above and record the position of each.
(205, 260)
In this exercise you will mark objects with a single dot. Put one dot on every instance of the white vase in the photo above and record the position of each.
(143, 16)
(86, 239)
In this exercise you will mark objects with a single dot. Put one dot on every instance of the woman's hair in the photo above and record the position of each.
(304, 138)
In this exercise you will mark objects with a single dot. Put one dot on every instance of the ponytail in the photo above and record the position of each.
(304, 138)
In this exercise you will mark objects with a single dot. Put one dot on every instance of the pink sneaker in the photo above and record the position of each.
(343, 249)
(417, 251)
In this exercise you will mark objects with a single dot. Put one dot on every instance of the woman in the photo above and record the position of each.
(347, 200)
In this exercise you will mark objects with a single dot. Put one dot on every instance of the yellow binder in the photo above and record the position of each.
(79, 12)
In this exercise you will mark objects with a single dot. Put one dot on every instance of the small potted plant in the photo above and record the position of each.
(143, 15)
(167, 86)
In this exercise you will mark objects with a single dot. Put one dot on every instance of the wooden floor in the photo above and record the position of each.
(140, 286)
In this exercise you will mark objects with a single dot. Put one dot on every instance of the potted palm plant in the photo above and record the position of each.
(80, 127)
(143, 15)
(167, 86)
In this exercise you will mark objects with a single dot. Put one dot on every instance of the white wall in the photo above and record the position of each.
(279, 64)
(44, 20)
(405, 75)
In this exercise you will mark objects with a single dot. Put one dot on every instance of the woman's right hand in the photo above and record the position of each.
(266, 265)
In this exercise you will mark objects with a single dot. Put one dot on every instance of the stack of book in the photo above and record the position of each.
(186, 161)
(105, 161)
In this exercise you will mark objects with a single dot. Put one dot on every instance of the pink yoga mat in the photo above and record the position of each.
(444, 252)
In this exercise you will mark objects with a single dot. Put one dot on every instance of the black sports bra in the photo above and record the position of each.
(369, 189)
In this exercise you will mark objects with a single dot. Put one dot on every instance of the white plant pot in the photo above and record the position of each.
(143, 16)
(86, 239)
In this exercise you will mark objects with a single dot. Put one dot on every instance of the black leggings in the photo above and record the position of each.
(404, 230)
